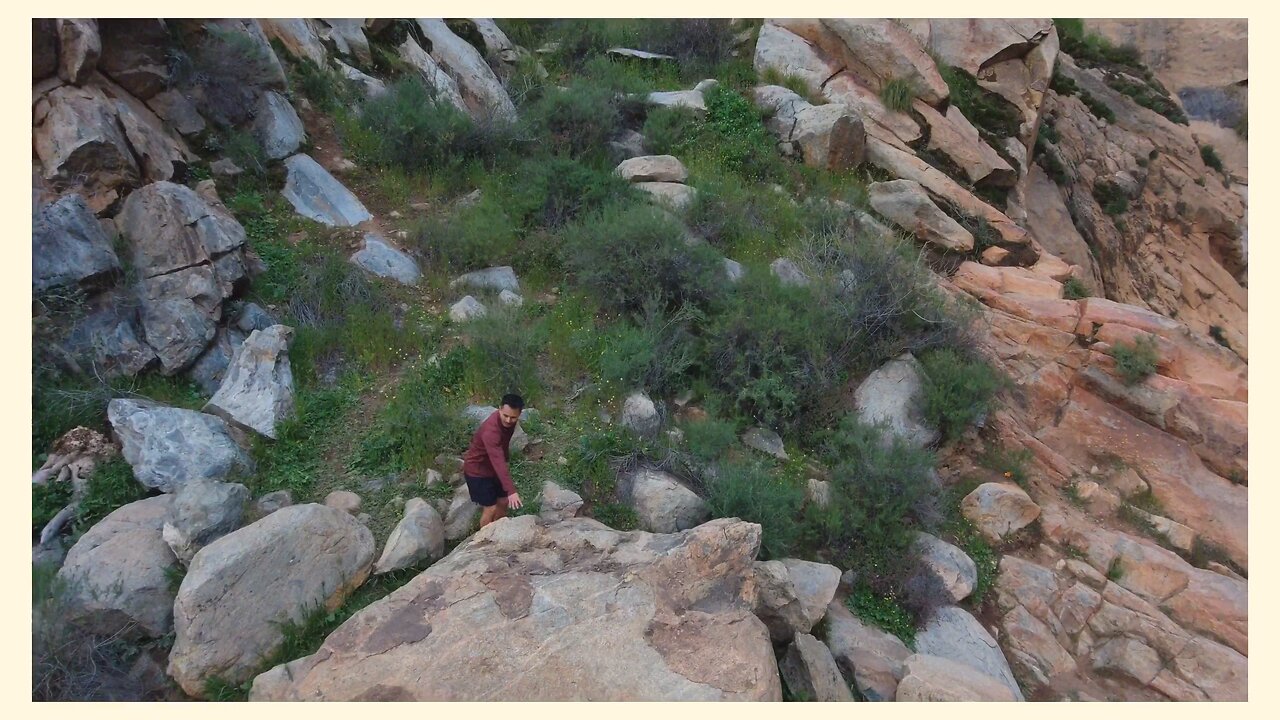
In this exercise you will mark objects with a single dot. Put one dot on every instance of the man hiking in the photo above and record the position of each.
(484, 465)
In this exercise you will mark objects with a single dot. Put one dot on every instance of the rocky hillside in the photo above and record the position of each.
(866, 359)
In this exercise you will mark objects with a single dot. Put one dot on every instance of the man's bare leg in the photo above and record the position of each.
(499, 509)
(487, 515)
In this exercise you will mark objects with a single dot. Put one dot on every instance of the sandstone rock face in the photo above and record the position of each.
(298, 35)
(883, 50)
(830, 136)
(68, 246)
(889, 395)
(909, 207)
(956, 635)
(315, 194)
(1049, 222)
(77, 135)
(1185, 53)
(652, 168)
(481, 91)
(662, 503)
(953, 135)
(568, 626)
(347, 36)
(417, 537)
(203, 511)
(117, 572)
(870, 658)
(168, 447)
(257, 392)
(927, 678)
(810, 672)
(380, 258)
(239, 589)
(793, 595)
(998, 509)
(178, 111)
(277, 127)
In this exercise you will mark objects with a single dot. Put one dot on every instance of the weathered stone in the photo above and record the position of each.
(80, 48)
(998, 509)
(481, 91)
(445, 87)
(675, 196)
(371, 86)
(945, 574)
(161, 154)
(766, 441)
(883, 50)
(935, 679)
(640, 416)
(690, 99)
(468, 308)
(168, 447)
(106, 341)
(169, 227)
(1127, 657)
(77, 136)
(566, 626)
(178, 111)
(460, 515)
(632, 54)
(1033, 650)
(380, 258)
(347, 36)
(818, 492)
(243, 587)
(733, 270)
(315, 194)
(277, 127)
(494, 278)
(956, 635)
(788, 273)
(257, 392)
(953, 135)
(273, 501)
(510, 299)
(134, 54)
(652, 168)
(870, 658)
(298, 36)
(417, 537)
(68, 246)
(557, 503)
(793, 595)
(344, 500)
(906, 204)
(661, 502)
(117, 573)
(810, 673)
(210, 368)
(890, 395)
(203, 511)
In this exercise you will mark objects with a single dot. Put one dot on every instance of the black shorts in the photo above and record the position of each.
(484, 490)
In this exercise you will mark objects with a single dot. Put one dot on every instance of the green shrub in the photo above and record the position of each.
(293, 460)
(1111, 198)
(958, 390)
(1097, 107)
(506, 344)
(111, 486)
(886, 612)
(628, 256)
(550, 192)
(1219, 336)
(897, 94)
(1048, 160)
(1137, 361)
(668, 130)
(575, 121)
(1148, 96)
(709, 439)
(225, 73)
(1074, 289)
(617, 516)
(323, 86)
(735, 138)
(882, 493)
(478, 236)
(748, 490)
(409, 128)
(985, 109)
(1063, 85)
(1210, 158)
(655, 352)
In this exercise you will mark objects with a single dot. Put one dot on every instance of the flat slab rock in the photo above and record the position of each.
(168, 446)
(574, 611)
(380, 258)
(317, 195)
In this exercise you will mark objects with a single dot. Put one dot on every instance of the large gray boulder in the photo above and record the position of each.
(766, 441)
(418, 536)
(277, 127)
(168, 447)
(460, 515)
(203, 511)
(891, 395)
(257, 392)
(810, 672)
(481, 91)
(574, 611)
(107, 340)
(661, 502)
(870, 658)
(118, 572)
(179, 314)
(243, 587)
(793, 595)
(380, 258)
(496, 279)
(169, 227)
(956, 635)
(909, 207)
(211, 367)
(69, 246)
(445, 87)
(640, 415)
(829, 136)
(317, 195)
(670, 195)
(934, 679)
(77, 136)
(178, 111)
(944, 574)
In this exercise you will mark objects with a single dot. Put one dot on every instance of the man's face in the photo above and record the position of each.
(508, 416)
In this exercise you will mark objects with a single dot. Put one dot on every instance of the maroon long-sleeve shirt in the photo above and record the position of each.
(490, 448)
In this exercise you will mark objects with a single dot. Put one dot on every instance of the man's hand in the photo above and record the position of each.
(513, 501)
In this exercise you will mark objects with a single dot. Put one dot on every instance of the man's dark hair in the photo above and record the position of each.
(513, 401)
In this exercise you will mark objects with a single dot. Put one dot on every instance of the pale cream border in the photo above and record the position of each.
(16, 368)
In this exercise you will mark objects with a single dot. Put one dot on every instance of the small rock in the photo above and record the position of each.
(733, 270)
(461, 515)
(811, 673)
(707, 85)
(818, 492)
(998, 509)
(944, 575)
(343, 500)
(675, 196)
(662, 503)
(225, 168)
(506, 297)
(788, 273)
(557, 503)
(935, 679)
(494, 278)
(639, 415)
(434, 478)
(273, 501)
(418, 536)
(652, 168)
(994, 256)
(466, 309)
(766, 441)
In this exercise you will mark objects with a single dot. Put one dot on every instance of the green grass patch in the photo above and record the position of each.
(1110, 197)
(897, 94)
(1074, 289)
(294, 460)
(1210, 158)
(886, 612)
(1136, 361)
(986, 110)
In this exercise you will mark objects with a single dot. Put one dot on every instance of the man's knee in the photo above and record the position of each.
(502, 503)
